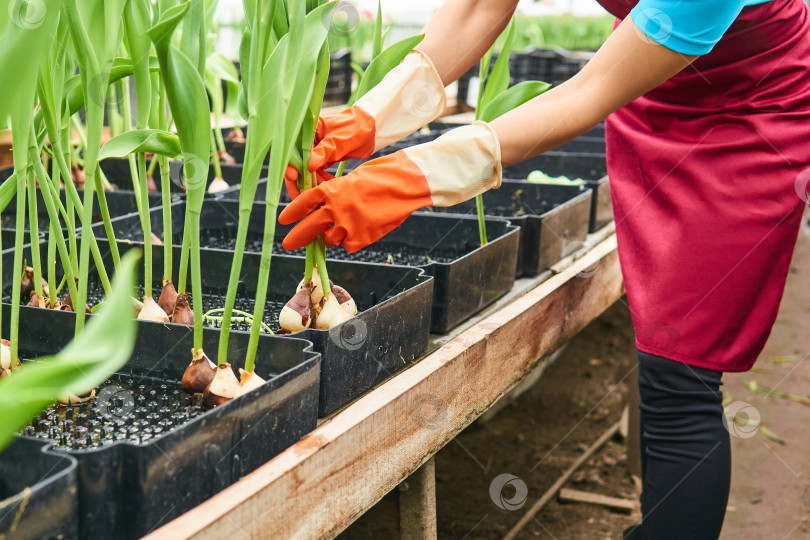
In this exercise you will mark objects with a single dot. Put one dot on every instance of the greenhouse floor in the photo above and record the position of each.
(555, 420)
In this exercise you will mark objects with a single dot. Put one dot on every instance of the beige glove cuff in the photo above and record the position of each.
(460, 164)
(409, 96)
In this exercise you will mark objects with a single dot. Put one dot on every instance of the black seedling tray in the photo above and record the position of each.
(468, 277)
(119, 203)
(551, 66)
(553, 220)
(339, 84)
(37, 492)
(117, 172)
(389, 333)
(127, 488)
(589, 167)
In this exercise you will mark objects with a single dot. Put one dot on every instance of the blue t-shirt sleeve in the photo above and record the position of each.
(686, 26)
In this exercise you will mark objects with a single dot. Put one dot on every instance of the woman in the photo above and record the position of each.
(708, 133)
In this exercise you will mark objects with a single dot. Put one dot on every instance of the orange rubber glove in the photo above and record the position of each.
(409, 96)
(360, 208)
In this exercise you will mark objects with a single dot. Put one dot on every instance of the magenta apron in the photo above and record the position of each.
(706, 180)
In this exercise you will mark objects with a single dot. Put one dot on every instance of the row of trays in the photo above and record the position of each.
(141, 453)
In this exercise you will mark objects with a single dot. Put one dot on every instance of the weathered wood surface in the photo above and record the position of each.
(322, 484)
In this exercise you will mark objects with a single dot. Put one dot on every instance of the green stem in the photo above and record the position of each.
(73, 195)
(95, 117)
(146, 226)
(250, 178)
(482, 224)
(33, 234)
(310, 263)
(220, 140)
(19, 240)
(215, 158)
(165, 192)
(320, 262)
(133, 163)
(184, 253)
(272, 195)
(340, 169)
(52, 289)
(48, 191)
(196, 280)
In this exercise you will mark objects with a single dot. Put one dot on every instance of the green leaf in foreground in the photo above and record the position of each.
(152, 141)
(101, 349)
(513, 97)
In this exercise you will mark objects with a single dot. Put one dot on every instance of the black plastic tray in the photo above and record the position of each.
(37, 492)
(468, 277)
(590, 167)
(553, 220)
(389, 333)
(117, 172)
(127, 489)
(119, 203)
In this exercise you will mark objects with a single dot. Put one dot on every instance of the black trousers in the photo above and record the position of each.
(685, 452)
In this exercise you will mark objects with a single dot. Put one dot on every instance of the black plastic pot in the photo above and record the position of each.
(37, 492)
(389, 333)
(553, 219)
(468, 277)
(128, 488)
(589, 167)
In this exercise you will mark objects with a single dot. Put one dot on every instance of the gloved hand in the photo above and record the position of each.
(360, 208)
(409, 96)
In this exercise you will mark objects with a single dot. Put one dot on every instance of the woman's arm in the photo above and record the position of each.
(461, 32)
(628, 65)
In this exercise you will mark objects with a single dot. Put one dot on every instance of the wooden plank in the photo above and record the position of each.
(321, 484)
(614, 503)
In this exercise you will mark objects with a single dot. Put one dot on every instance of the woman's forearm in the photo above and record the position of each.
(625, 67)
(461, 32)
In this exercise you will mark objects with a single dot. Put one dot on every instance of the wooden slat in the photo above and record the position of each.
(320, 485)
(614, 503)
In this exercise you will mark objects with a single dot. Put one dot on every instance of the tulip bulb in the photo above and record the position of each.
(345, 300)
(168, 297)
(297, 313)
(249, 381)
(151, 311)
(222, 389)
(182, 311)
(331, 314)
(199, 373)
(218, 185)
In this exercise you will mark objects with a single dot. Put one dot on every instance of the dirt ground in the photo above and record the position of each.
(537, 436)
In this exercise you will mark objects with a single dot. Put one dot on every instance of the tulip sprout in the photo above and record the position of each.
(496, 98)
